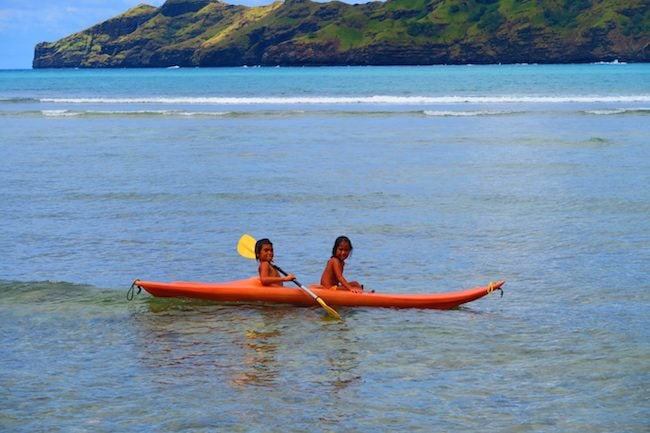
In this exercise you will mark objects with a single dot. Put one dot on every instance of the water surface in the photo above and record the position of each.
(443, 177)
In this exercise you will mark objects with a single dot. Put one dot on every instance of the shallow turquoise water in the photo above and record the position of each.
(447, 178)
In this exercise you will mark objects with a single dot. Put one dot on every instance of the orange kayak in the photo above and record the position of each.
(252, 291)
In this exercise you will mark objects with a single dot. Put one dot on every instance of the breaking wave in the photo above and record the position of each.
(350, 100)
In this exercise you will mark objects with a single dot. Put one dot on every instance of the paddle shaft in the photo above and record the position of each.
(246, 247)
(295, 281)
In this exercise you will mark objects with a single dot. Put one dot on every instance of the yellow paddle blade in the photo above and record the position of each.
(331, 311)
(246, 246)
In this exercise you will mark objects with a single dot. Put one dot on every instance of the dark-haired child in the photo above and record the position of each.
(269, 275)
(332, 277)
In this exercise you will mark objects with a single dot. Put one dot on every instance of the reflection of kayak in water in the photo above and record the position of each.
(252, 291)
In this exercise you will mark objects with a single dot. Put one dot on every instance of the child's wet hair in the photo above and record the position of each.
(258, 246)
(338, 242)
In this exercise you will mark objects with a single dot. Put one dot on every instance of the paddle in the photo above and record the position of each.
(246, 248)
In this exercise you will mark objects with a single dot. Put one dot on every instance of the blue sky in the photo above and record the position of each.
(24, 23)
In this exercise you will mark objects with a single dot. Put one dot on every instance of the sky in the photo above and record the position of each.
(24, 23)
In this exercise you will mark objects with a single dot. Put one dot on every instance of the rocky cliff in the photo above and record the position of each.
(394, 32)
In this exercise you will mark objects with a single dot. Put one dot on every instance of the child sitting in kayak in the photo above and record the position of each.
(332, 277)
(269, 275)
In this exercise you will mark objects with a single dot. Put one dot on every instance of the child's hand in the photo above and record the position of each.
(289, 277)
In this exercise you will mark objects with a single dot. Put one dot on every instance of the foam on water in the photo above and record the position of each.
(353, 100)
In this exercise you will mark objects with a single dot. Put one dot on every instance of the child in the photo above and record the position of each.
(333, 274)
(269, 276)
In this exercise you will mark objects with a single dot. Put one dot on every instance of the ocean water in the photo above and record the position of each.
(444, 177)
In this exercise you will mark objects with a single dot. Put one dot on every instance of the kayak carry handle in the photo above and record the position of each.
(131, 292)
(491, 288)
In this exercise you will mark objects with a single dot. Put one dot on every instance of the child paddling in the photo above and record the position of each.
(269, 275)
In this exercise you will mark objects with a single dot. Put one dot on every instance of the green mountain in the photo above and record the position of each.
(404, 32)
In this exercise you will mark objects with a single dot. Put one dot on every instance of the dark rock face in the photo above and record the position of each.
(394, 32)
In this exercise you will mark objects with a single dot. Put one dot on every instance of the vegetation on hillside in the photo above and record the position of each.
(302, 32)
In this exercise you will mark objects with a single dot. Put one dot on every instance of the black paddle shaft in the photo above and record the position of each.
(279, 269)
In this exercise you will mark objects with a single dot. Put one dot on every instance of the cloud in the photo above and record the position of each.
(9, 17)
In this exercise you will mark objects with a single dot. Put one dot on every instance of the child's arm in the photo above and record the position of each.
(269, 276)
(337, 267)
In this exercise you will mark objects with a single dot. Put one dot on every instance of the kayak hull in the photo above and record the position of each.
(252, 291)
